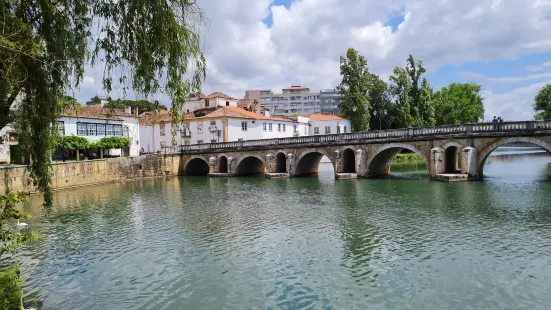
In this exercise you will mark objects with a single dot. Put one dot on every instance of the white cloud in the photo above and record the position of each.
(544, 65)
(515, 104)
(306, 39)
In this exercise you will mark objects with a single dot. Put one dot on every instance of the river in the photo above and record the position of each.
(402, 242)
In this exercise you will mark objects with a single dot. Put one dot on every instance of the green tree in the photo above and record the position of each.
(354, 103)
(413, 95)
(147, 45)
(542, 103)
(381, 103)
(141, 105)
(459, 103)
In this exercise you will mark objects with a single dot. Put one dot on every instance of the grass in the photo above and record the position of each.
(406, 156)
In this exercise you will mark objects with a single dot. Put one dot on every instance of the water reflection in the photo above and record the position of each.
(247, 243)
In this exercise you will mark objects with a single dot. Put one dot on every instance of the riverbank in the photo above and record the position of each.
(90, 172)
(406, 157)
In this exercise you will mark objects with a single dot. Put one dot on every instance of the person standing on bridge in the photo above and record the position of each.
(494, 120)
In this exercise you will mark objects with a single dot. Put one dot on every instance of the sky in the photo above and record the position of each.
(503, 45)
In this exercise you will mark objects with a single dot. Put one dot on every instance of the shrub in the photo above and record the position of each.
(112, 143)
(72, 143)
(10, 289)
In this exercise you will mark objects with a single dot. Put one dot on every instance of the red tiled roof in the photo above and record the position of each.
(162, 117)
(219, 95)
(96, 112)
(325, 117)
(236, 112)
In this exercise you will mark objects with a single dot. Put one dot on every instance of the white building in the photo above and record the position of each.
(212, 101)
(7, 139)
(227, 124)
(95, 122)
(328, 124)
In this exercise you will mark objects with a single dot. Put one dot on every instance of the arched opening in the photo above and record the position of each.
(314, 163)
(516, 159)
(348, 161)
(197, 166)
(409, 161)
(250, 166)
(281, 163)
(222, 164)
(451, 157)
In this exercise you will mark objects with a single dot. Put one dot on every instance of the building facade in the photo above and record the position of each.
(8, 138)
(198, 102)
(294, 100)
(263, 96)
(329, 99)
(95, 122)
(226, 124)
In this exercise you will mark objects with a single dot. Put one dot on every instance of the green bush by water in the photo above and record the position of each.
(10, 289)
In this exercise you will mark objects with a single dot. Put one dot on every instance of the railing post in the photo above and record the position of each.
(530, 125)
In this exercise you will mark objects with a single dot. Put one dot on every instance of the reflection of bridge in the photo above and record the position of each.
(457, 149)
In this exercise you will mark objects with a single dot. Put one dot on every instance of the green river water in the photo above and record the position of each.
(402, 242)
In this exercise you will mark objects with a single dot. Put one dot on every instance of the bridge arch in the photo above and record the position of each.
(349, 160)
(451, 156)
(250, 164)
(196, 166)
(222, 164)
(309, 160)
(380, 162)
(281, 163)
(484, 153)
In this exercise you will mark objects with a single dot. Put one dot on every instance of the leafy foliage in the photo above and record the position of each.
(542, 103)
(112, 143)
(44, 45)
(10, 289)
(459, 103)
(354, 103)
(141, 105)
(72, 143)
(9, 238)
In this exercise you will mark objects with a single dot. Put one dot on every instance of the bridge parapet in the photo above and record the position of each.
(422, 133)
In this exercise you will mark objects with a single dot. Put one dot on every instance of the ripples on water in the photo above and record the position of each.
(306, 243)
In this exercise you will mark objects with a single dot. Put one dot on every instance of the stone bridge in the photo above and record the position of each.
(457, 149)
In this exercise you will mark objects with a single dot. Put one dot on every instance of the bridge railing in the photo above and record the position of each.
(370, 135)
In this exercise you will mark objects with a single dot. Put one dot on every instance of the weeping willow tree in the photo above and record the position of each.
(149, 46)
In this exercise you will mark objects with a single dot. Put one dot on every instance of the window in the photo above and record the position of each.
(243, 126)
(162, 129)
(227, 103)
(316, 130)
(270, 127)
(109, 131)
(305, 131)
(344, 129)
(264, 126)
(327, 130)
(284, 128)
(61, 128)
(278, 127)
(207, 103)
(200, 128)
(117, 130)
(213, 141)
(91, 129)
(213, 123)
(338, 129)
(101, 129)
(81, 129)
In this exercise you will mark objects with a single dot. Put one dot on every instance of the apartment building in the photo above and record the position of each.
(263, 96)
(329, 99)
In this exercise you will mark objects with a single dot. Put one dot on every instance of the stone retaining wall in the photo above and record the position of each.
(83, 173)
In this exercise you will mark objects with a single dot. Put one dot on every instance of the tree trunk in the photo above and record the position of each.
(101, 153)
(78, 155)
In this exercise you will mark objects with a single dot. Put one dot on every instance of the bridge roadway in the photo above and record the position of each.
(455, 149)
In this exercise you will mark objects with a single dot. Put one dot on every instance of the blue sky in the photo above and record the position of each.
(504, 46)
